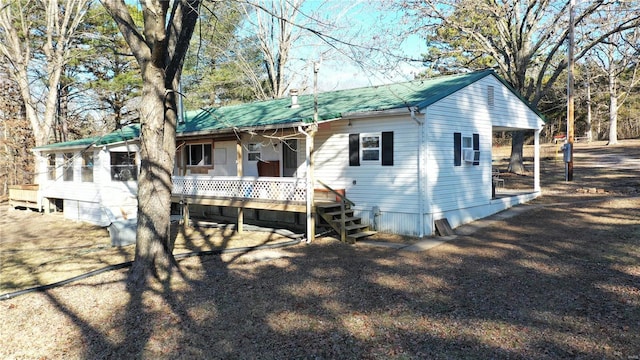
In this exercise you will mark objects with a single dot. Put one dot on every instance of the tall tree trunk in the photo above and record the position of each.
(613, 110)
(160, 51)
(516, 164)
(154, 247)
(589, 125)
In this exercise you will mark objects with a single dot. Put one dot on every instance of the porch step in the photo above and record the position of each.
(327, 205)
(346, 219)
(332, 212)
(335, 213)
(356, 227)
(361, 235)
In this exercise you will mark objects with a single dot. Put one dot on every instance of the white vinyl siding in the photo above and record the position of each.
(391, 188)
(508, 110)
(93, 201)
(459, 192)
(452, 187)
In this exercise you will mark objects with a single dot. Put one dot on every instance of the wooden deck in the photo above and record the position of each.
(25, 196)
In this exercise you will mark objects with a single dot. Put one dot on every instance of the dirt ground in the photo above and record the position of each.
(560, 280)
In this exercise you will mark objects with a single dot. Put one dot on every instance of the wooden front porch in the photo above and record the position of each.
(271, 193)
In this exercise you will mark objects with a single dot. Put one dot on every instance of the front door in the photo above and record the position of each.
(289, 157)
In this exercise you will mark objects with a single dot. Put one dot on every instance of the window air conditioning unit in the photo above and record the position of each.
(471, 156)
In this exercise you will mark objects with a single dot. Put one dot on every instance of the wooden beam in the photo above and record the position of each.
(242, 203)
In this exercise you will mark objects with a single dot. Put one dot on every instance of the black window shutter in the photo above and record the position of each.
(476, 146)
(354, 149)
(387, 148)
(457, 146)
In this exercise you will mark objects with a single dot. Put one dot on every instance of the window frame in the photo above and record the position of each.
(208, 163)
(254, 152)
(465, 146)
(461, 146)
(377, 149)
(86, 172)
(132, 174)
(67, 167)
(51, 166)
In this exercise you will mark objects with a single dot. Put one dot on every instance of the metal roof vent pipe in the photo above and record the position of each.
(294, 98)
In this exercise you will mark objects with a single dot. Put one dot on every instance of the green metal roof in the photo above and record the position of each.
(126, 133)
(331, 105)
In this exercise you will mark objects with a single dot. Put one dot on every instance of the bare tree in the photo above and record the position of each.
(273, 25)
(525, 40)
(16, 161)
(159, 46)
(26, 26)
(617, 57)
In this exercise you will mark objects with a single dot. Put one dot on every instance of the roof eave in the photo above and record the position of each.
(83, 147)
(246, 129)
(376, 113)
(62, 148)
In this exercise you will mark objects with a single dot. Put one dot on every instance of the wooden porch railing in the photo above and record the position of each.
(283, 189)
(25, 195)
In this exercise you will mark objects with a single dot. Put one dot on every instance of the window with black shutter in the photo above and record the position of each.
(371, 149)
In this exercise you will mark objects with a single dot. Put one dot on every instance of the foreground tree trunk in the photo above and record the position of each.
(154, 248)
(159, 47)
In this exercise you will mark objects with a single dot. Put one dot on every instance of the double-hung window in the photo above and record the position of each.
(51, 166)
(87, 166)
(370, 148)
(67, 167)
(466, 149)
(199, 154)
(254, 152)
(123, 166)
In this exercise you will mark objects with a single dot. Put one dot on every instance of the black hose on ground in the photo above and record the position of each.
(127, 264)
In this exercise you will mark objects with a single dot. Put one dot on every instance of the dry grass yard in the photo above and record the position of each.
(559, 280)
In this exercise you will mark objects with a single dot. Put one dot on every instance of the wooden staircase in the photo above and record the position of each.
(340, 217)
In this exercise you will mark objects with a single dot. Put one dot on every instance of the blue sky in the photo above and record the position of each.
(356, 21)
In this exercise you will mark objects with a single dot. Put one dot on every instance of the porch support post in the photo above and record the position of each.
(536, 161)
(185, 213)
(240, 219)
(311, 209)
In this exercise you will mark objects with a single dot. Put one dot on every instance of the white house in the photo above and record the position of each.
(403, 155)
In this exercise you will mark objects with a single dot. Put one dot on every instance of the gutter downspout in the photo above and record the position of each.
(310, 179)
(419, 167)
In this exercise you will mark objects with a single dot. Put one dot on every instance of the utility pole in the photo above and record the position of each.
(589, 132)
(570, 91)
